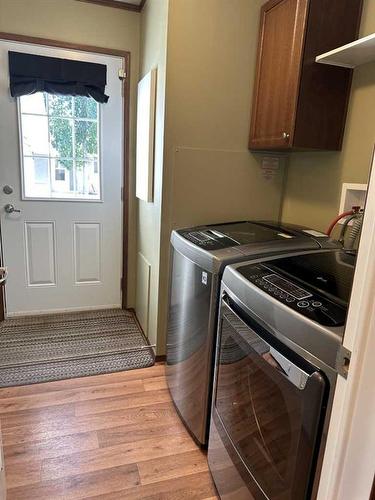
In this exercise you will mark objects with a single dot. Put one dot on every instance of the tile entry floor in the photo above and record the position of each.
(114, 436)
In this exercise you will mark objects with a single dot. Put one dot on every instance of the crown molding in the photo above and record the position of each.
(117, 5)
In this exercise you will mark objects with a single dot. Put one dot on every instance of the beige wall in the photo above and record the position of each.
(90, 24)
(314, 180)
(210, 175)
(153, 48)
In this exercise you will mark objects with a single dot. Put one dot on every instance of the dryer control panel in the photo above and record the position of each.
(299, 297)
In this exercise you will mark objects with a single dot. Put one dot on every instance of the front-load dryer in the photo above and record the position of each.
(280, 330)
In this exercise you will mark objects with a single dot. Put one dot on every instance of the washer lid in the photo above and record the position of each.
(219, 236)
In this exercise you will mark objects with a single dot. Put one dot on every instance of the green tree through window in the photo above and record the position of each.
(62, 133)
(73, 131)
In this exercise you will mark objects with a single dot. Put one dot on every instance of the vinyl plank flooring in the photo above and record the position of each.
(134, 420)
(23, 474)
(36, 415)
(181, 465)
(194, 487)
(51, 448)
(96, 380)
(106, 437)
(113, 480)
(126, 434)
(48, 399)
(122, 402)
(113, 456)
(155, 383)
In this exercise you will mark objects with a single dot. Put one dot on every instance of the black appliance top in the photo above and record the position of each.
(330, 273)
(316, 285)
(218, 236)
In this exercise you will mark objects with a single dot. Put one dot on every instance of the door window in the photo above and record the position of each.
(60, 144)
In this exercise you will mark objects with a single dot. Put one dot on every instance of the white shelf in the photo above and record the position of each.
(353, 54)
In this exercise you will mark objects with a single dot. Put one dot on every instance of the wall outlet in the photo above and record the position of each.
(352, 195)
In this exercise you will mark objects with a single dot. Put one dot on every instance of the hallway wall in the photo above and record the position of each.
(153, 49)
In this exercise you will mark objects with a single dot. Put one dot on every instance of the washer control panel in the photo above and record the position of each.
(209, 239)
(300, 298)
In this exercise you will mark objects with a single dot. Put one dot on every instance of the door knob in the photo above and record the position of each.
(286, 136)
(9, 208)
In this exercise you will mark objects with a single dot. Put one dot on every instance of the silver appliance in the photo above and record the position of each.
(199, 256)
(280, 330)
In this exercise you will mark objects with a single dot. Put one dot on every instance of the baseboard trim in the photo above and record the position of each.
(65, 310)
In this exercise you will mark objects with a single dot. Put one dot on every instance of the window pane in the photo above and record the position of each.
(60, 105)
(35, 135)
(41, 170)
(60, 143)
(63, 182)
(34, 103)
(60, 174)
(86, 139)
(36, 177)
(85, 107)
(61, 137)
(88, 180)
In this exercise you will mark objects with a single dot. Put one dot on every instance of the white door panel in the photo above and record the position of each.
(40, 253)
(87, 245)
(62, 255)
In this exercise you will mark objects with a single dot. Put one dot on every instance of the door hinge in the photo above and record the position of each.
(122, 74)
(343, 361)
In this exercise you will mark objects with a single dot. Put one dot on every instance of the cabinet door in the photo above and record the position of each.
(282, 28)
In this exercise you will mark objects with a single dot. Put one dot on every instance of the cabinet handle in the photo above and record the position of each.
(286, 136)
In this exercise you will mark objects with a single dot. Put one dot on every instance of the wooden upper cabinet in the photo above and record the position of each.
(299, 104)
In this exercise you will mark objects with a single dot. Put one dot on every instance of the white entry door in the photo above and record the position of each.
(61, 171)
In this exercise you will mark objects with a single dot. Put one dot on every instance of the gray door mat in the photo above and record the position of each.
(43, 348)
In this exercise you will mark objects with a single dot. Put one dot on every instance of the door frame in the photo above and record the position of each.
(349, 461)
(125, 55)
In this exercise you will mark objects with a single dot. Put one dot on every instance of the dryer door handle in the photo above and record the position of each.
(257, 343)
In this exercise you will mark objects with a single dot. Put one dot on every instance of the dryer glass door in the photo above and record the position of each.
(270, 403)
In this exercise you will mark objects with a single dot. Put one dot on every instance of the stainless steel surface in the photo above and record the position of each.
(7, 189)
(210, 261)
(237, 475)
(190, 337)
(193, 312)
(318, 342)
(275, 359)
(267, 426)
(9, 208)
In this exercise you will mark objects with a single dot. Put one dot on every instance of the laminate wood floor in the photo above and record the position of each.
(105, 437)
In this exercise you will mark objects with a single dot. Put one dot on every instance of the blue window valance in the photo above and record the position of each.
(31, 73)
